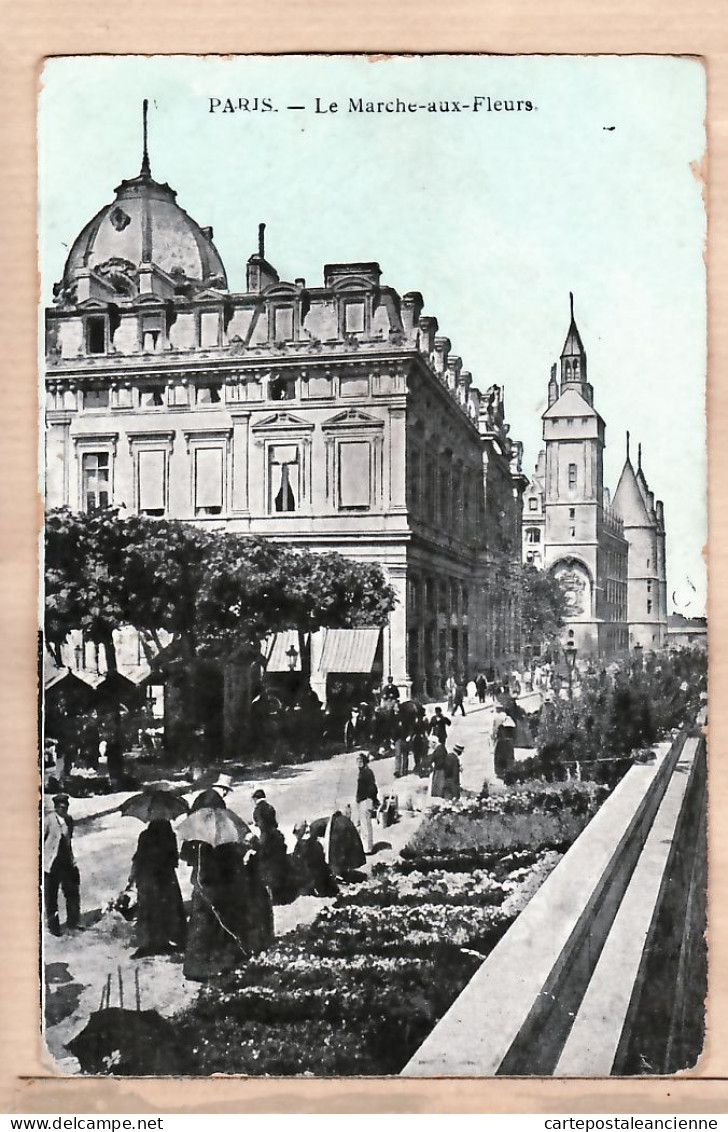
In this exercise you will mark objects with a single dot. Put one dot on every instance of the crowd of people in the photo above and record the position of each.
(239, 870)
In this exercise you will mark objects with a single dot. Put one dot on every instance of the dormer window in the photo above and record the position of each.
(283, 324)
(533, 504)
(151, 329)
(96, 334)
(354, 318)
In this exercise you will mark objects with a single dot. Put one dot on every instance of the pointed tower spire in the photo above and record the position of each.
(639, 457)
(627, 444)
(145, 170)
(573, 355)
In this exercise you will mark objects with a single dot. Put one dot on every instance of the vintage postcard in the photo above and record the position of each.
(374, 641)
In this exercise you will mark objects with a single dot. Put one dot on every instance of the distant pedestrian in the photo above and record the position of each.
(355, 727)
(481, 687)
(439, 725)
(401, 750)
(60, 869)
(439, 763)
(273, 861)
(452, 773)
(504, 756)
(459, 698)
(390, 692)
(367, 802)
(418, 739)
(313, 873)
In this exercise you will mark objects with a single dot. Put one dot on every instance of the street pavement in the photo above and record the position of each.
(104, 847)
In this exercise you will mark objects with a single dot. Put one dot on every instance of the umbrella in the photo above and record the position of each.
(154, 805)
(214, 827)
(343, 848)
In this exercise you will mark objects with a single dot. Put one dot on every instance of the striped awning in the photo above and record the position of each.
(275, 649)
(349, 650)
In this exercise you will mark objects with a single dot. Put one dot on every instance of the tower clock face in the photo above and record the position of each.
(575, 580)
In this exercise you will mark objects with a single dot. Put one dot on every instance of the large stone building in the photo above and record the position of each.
(331, 416)
(611, 556)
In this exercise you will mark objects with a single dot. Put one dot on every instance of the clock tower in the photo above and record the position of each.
(582, 536)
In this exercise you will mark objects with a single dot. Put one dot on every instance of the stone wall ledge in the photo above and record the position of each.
(602, 1019)
(515, 1014)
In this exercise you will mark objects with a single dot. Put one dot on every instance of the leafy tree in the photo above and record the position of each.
(216, 594)
(543, 608)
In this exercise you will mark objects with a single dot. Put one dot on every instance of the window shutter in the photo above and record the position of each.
(151, 480)
(208, 477)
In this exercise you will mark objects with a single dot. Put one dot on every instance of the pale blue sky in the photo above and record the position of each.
(494, 217)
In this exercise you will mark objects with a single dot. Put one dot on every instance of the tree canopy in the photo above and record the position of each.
(218, 594)
(544, 603)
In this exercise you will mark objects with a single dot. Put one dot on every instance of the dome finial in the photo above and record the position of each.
(145, 170)
(261, 241)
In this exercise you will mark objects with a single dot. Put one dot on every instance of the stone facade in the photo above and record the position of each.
(611, 556)
(330, 416)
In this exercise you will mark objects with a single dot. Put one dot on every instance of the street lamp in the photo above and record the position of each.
(570, 657)
(292, 654)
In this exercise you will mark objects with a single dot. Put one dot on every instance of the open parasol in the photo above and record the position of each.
(154, 805)
(214, 827)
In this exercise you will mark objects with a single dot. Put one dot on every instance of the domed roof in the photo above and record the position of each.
(145, 225)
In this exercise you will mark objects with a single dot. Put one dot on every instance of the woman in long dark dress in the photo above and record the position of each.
(272, 853)
(231, 916)
(439, 762)
(160, 926)
(342, 845)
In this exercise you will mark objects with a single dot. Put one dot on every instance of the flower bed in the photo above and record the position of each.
(527, 817)
(357, 991)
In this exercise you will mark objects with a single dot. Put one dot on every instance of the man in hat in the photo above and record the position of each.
(438, 725)
(223, 785)
(59, 864)
(451, 788)
(367, 801)
(264, 815)
(390, 692)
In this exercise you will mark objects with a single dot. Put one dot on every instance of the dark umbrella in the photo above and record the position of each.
(345, 850)
(127, 1043)
(154, 805)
